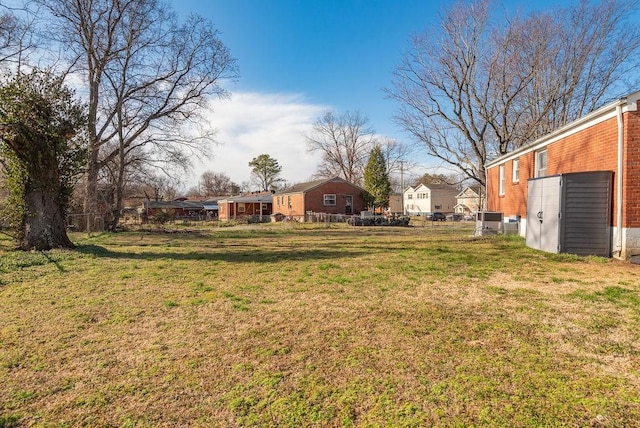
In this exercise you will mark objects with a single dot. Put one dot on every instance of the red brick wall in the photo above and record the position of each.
(225, 211)
(631, 172)
(297, 204)
(314, 200)
(592, 149)
(513, 202)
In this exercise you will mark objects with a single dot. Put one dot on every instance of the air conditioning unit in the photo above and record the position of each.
(489, 223)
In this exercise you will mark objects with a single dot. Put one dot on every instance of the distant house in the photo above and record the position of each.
(257, 206)
(428, 198)
(330, 196)
(177, 209)
(468, 201)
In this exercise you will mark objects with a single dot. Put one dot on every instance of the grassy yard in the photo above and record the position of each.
(291, 326)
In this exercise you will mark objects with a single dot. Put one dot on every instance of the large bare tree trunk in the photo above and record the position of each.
(40, 137)
(43, 225)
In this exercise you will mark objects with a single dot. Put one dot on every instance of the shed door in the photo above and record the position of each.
(543, 212)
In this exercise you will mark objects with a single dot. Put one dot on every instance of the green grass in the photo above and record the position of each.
(302, 325)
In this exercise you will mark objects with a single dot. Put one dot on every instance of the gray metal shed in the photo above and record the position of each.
(571, 213)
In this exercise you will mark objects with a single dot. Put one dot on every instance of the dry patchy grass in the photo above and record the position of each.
(313, 326)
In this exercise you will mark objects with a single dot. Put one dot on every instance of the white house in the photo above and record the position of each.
(429, 198)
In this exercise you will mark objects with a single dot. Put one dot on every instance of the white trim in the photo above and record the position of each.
(619, 173)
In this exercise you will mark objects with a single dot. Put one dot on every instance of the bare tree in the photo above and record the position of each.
(157, 187)
(194, 192)
(399, 160)
(217, 183)
(344, 142)
(473, 88)
(148, 79)
(17, 35)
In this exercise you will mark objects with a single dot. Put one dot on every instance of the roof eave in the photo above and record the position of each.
(630, 102)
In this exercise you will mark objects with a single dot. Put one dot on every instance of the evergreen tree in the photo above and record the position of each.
(376, 179)
(265, 172)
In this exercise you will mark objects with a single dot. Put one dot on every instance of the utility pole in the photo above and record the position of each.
(404, 211)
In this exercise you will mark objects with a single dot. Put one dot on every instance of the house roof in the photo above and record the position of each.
(253, 198)
(609, 111)
(305, 187)
(474, 189)
(185, 205)
(432, 186)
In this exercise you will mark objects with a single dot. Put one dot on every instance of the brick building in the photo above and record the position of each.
(330, 196)
(254, 206)
(607, 139)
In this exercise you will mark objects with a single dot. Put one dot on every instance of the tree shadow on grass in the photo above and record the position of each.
(249, 255)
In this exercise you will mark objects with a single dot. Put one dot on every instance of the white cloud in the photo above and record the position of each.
(254, 123)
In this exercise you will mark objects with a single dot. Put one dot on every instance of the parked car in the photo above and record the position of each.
(438, 216)
(454, 217)
(469, 217)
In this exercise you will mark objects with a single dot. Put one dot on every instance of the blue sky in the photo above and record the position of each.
(333, 52)
(298, 58)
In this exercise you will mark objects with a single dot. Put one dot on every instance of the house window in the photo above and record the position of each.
(410, 196)
(541, 163)
(329, 199)
(516, 170)
(241, 207)
(289, 202)
(501, 185)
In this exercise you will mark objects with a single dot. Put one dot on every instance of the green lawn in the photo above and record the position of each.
(293, 325)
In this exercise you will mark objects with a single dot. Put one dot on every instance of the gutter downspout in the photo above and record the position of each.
(483, 203)
(618, 247)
